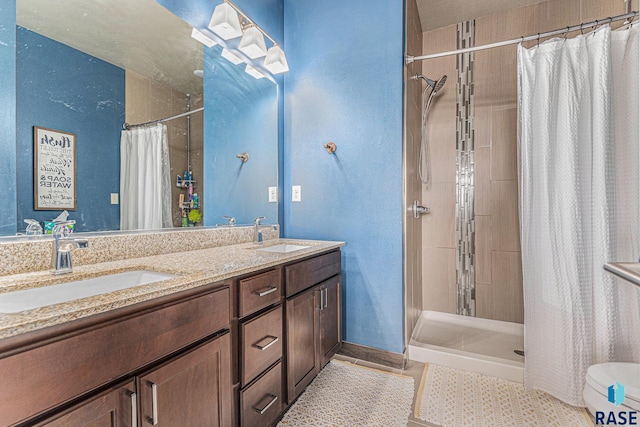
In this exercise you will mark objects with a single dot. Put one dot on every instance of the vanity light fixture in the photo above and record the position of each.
(252, 71)
(252, 43)
(231, 57)
(276, 61)
(225, 22)
(228, 22)
(202, 38)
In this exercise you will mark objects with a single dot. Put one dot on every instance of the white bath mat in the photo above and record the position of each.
(344, 394)
(452, 398)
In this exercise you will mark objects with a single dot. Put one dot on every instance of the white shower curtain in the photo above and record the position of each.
(579, 205)
(145, 191)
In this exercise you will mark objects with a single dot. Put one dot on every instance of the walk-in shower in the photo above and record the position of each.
(467, 317)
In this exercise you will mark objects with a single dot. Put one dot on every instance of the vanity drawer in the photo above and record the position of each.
(261, 343)
(261, 403)
(260, 291)
(305, 274)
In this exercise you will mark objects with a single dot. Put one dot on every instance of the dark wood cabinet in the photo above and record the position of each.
(262, 402)
(114, 408)
(191, 390)
(79, 360)
(302, 330)
(234, 353)
(261, 343)
(330, 319)
(313, 319)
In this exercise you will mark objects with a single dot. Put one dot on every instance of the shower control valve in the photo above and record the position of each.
(419, 210)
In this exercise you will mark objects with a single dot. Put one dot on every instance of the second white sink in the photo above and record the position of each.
(283, 248)
(14, 302)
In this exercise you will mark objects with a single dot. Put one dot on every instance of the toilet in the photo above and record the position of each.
(603, 375)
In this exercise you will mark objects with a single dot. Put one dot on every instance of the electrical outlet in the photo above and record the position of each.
(273, 194)
(114, 198)
(296, 193)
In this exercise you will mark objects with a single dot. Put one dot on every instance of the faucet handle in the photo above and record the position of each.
(258, 219)
(230, 220)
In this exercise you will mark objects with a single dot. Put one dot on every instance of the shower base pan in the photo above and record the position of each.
(469, 344)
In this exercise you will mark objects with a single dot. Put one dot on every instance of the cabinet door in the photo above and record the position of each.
(115, 408)
(330, 314)
(193, 389)
(302, 332)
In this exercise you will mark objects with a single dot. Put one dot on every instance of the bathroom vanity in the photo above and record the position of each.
(232, 342)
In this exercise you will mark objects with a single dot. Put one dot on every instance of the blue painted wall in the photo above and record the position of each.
(241, 115)
(345, 85)
(269, 14)
(64, 89)
(8, 117)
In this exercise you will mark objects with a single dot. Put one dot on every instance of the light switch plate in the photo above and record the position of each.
(114, 198)
(273, 194)
(296, 193)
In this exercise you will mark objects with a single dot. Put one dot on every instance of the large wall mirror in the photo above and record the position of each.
(87, 68)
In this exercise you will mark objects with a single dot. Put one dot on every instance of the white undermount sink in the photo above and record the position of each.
(283, 248)
(14, 302)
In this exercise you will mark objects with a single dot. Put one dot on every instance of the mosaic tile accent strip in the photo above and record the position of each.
(452, 398)
(465, 222)
(344, 394)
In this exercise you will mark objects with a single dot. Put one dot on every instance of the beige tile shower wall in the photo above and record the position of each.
(148, 100)
(413, 190)
(498, 259)
(438, 227)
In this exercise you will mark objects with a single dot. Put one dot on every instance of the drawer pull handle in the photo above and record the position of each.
(326, 297)
(154, 405)
(266, 291)
(263, 347)
(265, 408)
(134, 408)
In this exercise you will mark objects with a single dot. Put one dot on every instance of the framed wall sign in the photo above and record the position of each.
(54, 166)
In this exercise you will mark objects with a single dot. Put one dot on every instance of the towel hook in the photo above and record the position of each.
(330, 147)
(243, 156)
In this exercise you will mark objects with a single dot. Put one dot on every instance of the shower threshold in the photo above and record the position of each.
(469, 344)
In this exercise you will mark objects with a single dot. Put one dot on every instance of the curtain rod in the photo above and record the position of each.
(409, 59)
(127, 126)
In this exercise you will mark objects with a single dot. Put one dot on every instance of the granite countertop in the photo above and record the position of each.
(191, 269)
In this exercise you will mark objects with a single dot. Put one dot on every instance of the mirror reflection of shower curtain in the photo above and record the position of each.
(145, 184)
(579, 189)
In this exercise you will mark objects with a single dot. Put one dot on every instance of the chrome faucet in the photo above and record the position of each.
(257, 231)
(62, 246)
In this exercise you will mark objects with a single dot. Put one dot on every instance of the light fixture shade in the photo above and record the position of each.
(225, 23)
(253, 72)
(202, 38)
(276, 61)
(252, 43)
(231, 57)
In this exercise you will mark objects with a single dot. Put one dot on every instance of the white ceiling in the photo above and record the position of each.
(441, 13)
(137, 35)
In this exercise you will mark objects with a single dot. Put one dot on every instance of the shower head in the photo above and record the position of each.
(435, 85)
